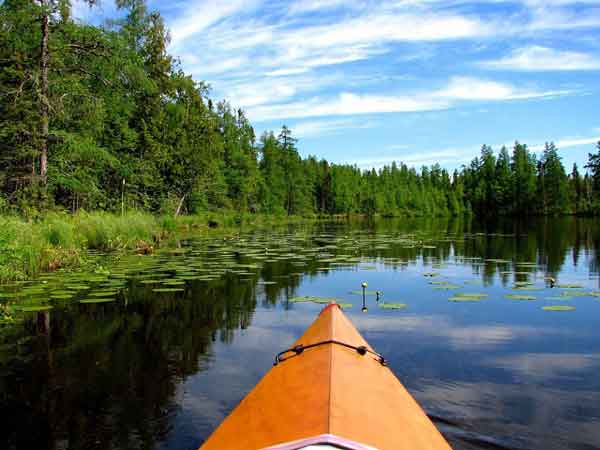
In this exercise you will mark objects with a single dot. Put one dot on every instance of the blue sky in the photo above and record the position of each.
(420, 81)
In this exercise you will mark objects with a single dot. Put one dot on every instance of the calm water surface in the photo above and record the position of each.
(192, 330)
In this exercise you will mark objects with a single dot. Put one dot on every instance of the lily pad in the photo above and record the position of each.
(35, 308)
(467, 297)
(99, 294)
(366, 292)
(464, 299)
(470, 294)
(527, 288)
(574, 293)
(569, 286)
(97, 300)
(312, 299)
(393, 306)
(77, 287)
(174, 283)
(520, 297)
(165, 290)
(61, 296)
(558, 308)
(448, 287)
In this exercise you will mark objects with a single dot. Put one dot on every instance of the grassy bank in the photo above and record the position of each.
(28, 248)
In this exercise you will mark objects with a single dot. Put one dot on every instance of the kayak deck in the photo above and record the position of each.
(329, 391)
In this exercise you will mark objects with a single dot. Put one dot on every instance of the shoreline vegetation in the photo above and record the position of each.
(62, 241)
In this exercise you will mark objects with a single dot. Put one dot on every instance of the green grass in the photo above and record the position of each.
(60, 240)
(28, 248)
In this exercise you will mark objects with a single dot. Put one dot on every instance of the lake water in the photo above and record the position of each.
(152, 352)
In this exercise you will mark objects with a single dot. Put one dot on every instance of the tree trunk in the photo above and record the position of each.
(44, 106)
(180, 205)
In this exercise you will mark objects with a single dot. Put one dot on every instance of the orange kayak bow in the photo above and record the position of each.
(332, 389)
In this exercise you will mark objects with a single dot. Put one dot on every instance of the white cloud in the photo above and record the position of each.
(311, 129)
(242, 46)
(553, 15)
(346, 103)
(469, 88)
(200, 15)
(349, 103)
(567, 143)
(538, 59)
(450, 155)
(286, 47)
(274, 90)
(304, 6)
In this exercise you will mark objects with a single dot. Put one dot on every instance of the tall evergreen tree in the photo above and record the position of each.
(524, 169)
(552, 182)
(593, 165)
(503, 182)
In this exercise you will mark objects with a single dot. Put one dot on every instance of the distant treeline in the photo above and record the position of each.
(104, 118)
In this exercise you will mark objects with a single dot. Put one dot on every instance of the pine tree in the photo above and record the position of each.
(575, 190)
(524, 169)
(503, 182)
(593, 165)
(552, 182)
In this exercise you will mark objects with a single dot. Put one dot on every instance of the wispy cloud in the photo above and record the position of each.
(349, 103)
(417, 159)
(346, 103)
(200, 14)
(567, 143)
(311, 129)
(289, 47)
(304, 6)
(553, 15)
(539, 59)
(469, 88)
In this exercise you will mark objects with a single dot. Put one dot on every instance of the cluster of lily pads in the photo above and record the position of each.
(566, 291)
(252, 258)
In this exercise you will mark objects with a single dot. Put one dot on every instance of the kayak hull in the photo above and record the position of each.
(328, 390)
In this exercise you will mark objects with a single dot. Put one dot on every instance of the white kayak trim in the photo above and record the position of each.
(321, 440)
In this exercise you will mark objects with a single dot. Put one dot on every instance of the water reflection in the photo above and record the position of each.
(160, 370)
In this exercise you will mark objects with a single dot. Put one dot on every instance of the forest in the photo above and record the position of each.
(104, 118)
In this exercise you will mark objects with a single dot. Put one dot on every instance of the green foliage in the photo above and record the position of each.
(552, 182)
(60, 240)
